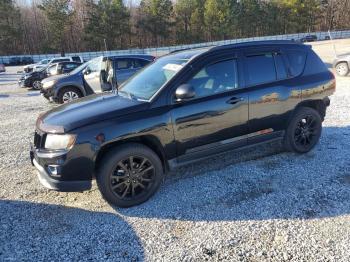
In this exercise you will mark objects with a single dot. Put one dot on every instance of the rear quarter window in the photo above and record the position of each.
(297, 59)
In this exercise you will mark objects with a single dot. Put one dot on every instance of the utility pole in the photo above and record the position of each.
(104, 40)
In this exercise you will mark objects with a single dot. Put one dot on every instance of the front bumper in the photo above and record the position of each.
(24, 83)
(50, 182)
(48, 92)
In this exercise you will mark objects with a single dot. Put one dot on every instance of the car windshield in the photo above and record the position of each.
(83, 66)
(146, 83)
(44, 61)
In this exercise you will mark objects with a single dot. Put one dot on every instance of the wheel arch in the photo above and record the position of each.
(319, 105)
(147, 140)
(59, 89)
(342, 61)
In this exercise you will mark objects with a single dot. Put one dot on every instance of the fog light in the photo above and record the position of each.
(54, 170)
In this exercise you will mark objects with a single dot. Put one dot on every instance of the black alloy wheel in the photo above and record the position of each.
(132, 177)
(129, 174)
(304, 130)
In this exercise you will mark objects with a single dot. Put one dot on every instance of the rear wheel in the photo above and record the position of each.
(304, 130)
(129, 175)
(68, 94)
(342, 69)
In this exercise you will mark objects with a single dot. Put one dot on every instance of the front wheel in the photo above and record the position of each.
(304, 130)
(129, 175)
(68, 94)
(36, 85)
(342, 69)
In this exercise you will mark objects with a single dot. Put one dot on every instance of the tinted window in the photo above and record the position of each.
(215, 78)
(70, 66)
(76, 58)
(280, 67)
(124, 64)
(140, 63)
(297, 61)
(260, 69)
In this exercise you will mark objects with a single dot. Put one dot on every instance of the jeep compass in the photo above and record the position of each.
(184, 107)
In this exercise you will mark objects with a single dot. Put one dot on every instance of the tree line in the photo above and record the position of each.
(51, 26)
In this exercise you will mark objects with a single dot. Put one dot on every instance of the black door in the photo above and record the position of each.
(216, 118)
(272, 93)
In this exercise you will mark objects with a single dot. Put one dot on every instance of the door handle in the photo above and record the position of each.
(234, 100)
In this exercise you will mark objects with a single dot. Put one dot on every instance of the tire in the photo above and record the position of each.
(36, 85)
(117, 182)
(342, 69)
(68, 94)
(304, 130)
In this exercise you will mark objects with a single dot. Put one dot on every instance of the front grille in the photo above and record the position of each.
(39, 139)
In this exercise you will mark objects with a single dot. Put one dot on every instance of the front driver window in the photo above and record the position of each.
(95, 64)
(215, 78)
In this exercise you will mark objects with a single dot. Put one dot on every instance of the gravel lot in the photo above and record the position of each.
(259, 204)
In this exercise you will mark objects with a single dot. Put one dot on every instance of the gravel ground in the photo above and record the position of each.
(259, 204)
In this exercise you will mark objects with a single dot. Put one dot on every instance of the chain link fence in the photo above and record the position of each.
(158, 51)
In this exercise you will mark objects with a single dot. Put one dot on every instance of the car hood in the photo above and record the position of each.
(344, 56)
(88, 110)
(30, 66)
(55, 77)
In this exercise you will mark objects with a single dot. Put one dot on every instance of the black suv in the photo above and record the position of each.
(184, 107)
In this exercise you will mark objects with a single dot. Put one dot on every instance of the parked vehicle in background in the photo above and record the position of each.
(309, 38)
(29, 68)
(78, 59)
(62, 68)
(342, 65)
(45, 62)
(14, 61)
(97, 75)
(32, 79)
(2, 68)
(26, 60)
(184, 107)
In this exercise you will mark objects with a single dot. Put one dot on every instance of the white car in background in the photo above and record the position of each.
(46, 62)
(342, 65)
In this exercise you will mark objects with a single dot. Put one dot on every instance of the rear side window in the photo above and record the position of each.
(260, 68)
(280, 67)
(297, 60)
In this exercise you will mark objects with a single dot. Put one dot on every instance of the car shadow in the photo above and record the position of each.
(259, 183)
(55, 233)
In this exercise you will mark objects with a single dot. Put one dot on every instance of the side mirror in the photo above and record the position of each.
(184, 92)
(87, 71)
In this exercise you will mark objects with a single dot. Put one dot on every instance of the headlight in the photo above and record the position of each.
(59, 141)
(49, 83)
